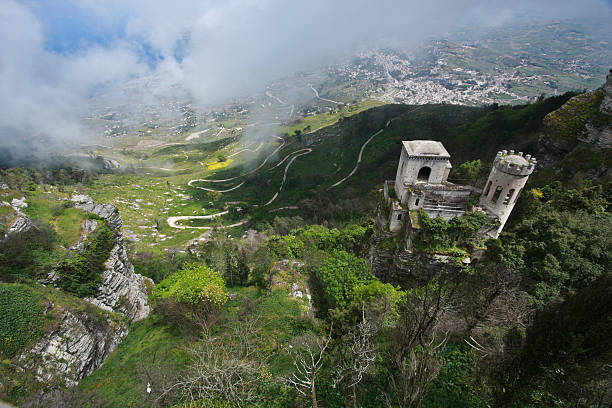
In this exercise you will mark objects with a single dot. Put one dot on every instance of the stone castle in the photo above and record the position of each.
(421, 184)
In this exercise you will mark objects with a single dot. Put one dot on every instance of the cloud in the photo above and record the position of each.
(55, 55)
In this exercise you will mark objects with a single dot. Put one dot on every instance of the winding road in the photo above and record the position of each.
(241, 175)
(358, 159)
(294, 155)
(363, 147)
(304, 151)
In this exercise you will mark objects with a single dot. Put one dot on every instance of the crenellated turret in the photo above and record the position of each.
(506, 181)
(515, 164)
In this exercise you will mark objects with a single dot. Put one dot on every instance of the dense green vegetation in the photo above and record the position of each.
(21, 318)
(195, 285)
(341, 275)
(81, 274)
(562, 242)
(441, 235)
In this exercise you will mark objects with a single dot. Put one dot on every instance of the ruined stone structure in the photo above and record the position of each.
(506, 181)
(421, 183)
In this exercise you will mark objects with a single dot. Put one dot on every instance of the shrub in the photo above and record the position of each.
(195, 285)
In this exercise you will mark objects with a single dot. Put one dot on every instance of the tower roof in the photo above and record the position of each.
(517, 164)
(425, 148)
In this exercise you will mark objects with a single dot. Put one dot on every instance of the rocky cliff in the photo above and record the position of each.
(577, 138)
(122, 290)
(606, 104)
(78, 345)
(78, 334)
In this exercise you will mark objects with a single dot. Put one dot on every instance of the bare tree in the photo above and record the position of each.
(222, 368)
(494, 297)
(359, 356)
(415, 373)
(417, 345)
(307, 352)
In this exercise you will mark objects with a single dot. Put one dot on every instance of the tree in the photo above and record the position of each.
(307, 352)
(340, 274)
(416, 342)
(198, 287)
(468, 171)
(222, 368)
(358, 358)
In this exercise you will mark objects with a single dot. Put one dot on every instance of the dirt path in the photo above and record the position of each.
(362, 149)
(304, 151)
(246, 150)
(241, 175)
(358, 159)
(211, 189)
(173, 220)
(318, 97)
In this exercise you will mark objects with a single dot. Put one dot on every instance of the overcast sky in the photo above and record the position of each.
(55, 54)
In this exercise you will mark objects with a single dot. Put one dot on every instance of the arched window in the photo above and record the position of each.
(416, 202)
(509, 196)
(496, 195)
(518, 194)
(486, 192)
(424, 174)
(399, 216)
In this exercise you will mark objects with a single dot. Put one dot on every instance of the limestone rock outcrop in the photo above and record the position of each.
(77, 347)
(122, 290)
(579, 131)
(606, 104)
(21, 223)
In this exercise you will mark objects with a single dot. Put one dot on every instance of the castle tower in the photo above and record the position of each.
(506, 181)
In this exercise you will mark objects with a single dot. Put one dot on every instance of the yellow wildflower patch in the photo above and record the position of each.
(219, 165)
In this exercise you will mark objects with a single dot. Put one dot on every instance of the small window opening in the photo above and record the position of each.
(486, 193)
(496, 195)
(399, 217)
(417, 201)
(509, 196)
(517, 195)
(424, 174)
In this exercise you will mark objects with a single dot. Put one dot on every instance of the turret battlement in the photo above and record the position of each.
(515, 164)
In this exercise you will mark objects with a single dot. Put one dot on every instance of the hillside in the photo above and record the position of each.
(275, 287)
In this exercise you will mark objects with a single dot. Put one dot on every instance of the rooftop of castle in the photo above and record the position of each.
(425, 148)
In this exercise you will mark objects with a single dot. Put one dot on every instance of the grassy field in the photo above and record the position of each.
(122, 380)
